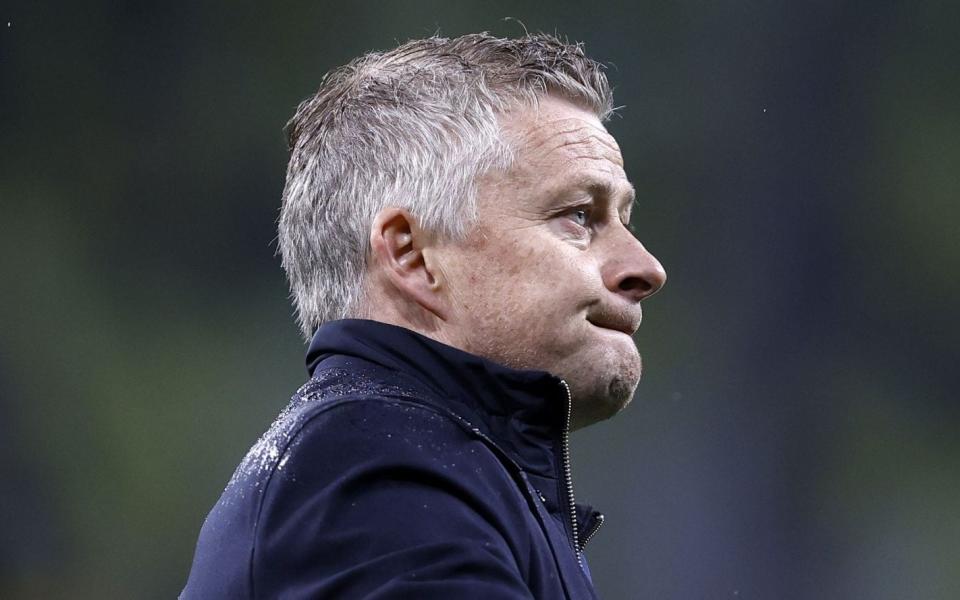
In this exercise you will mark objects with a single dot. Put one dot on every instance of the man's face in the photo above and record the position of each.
(551, 278)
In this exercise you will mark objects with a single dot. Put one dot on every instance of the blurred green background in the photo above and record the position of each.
(798, 168)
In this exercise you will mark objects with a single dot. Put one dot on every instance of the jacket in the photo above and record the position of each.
(404, 468)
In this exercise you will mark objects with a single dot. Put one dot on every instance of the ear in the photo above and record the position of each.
(402, 251)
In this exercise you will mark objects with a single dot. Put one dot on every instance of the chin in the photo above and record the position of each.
(605, 394)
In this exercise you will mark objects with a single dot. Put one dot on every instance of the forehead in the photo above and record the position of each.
(556, 131)
(558, 146)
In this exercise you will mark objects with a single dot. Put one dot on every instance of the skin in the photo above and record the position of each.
(550, 278)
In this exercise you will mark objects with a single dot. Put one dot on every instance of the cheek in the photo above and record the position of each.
(542, 259)
(526, 280)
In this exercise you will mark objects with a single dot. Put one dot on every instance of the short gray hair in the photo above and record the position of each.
(414, 128)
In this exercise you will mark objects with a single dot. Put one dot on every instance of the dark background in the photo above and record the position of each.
(796, 432)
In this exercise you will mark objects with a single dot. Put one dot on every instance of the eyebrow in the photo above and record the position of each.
(605, 188)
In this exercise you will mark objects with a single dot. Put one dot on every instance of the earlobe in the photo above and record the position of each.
(399, 248)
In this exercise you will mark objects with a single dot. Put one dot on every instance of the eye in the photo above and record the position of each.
(581, 217)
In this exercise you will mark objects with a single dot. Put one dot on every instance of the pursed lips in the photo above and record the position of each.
(627, 326)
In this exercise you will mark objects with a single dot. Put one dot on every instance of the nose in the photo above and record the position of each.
(632, 272)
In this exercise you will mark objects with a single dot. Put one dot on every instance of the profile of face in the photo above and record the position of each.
(551, 278)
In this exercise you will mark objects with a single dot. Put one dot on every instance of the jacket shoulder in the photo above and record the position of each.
(317, 424)
(376, 488)
(330, 397)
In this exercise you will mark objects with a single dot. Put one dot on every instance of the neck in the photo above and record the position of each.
(393, 309)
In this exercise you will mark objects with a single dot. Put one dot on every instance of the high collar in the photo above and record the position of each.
(522, 411)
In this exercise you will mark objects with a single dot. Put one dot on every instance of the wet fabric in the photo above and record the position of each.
(404, 468)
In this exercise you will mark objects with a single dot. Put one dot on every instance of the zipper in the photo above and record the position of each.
(593, 532)
(567, 477)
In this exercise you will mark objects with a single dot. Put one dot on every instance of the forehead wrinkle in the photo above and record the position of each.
(577, 155)
(566, 131)
(569, 125)
(581, 144)
(592, 162)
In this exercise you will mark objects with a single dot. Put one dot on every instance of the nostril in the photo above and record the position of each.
(635, 284)
(639, 278)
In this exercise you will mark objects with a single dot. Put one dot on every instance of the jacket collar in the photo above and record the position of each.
(522, 411)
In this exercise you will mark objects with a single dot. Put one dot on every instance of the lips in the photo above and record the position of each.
(613, 328)
(623, 321)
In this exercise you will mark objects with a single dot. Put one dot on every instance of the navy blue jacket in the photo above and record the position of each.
(403, 468)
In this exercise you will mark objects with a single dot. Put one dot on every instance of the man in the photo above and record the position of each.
(455, 232)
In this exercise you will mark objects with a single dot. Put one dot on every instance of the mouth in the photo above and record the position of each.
(621, 319)
(626, 328)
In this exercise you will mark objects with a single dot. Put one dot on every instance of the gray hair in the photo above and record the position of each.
(413, 128)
